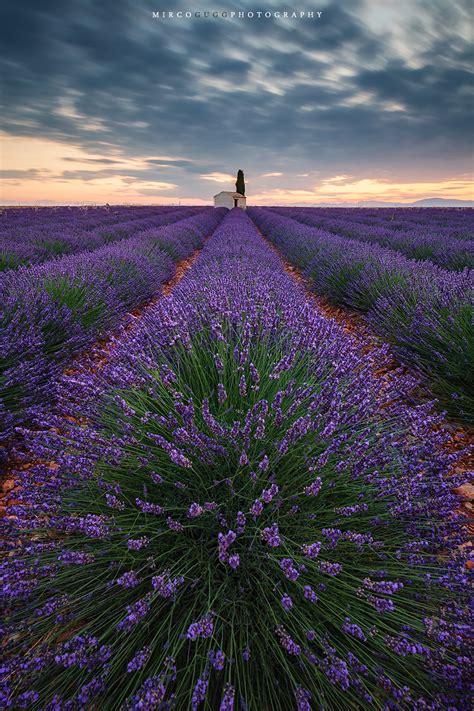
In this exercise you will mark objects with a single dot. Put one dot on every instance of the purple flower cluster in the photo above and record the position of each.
(286, 642)
(270, 536)
(166, 586)
(224, 541)
(217, 659)
(288, 567)
(203, 628)
(135, 613)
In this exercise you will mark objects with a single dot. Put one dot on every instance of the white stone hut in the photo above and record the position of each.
(230, 200)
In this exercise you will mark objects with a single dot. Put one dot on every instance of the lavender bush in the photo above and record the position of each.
(50, 311)
(240, 516)
(427, 240)
(35, 242)
(424, 311)
(45, 236)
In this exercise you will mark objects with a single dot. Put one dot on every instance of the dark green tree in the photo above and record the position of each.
(240, 183)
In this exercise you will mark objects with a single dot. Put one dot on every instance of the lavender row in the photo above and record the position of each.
(415, 241)
(36, 243)
(455, 223)
(424, 311)
(242, 517)
(86, 217)
(50, 311)
(14, 224)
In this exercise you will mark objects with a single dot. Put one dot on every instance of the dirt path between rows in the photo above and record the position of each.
(355, 324)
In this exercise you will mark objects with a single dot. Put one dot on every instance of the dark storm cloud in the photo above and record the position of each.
(106, 75)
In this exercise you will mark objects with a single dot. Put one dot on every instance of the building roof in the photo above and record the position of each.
(229, 192)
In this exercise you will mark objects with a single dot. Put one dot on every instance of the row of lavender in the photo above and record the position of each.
(416, 240)
(51, 311)
(243, 517)
(14, 220)
(424, 311)
(42, 235)
(445, 222)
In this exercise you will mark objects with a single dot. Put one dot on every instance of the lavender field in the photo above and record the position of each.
(216, 495)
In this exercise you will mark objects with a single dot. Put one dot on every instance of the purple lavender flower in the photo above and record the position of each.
(217, 659)
(221, 394)
(203, 628)
(350, 628)
(150, 695)
(128, 579)
(148, 507)
(288, 567)
(135, 613)
(286, 642)
(224, 541)
(385, 497)
(256, 508)
(227, 703)
(303, 699)
(332, 569)
(114, 502)
(244, 460)
(200, 691)
(234, 560)
(271, 536)
(270, 493)
(195, 510)
(309, 594)
(139, 660)
(174, 525)
(165, 586)
(314, 488)
(136, 544)
(311, 550)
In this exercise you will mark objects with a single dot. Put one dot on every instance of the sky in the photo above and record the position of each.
(102, 102)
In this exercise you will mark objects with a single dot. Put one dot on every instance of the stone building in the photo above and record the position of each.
(230, 200)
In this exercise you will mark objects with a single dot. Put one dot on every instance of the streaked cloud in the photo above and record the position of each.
(219, 177)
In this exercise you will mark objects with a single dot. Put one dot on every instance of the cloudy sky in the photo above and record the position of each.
(103, 103)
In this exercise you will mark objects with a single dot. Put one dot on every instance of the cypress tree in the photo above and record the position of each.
(240, 183)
